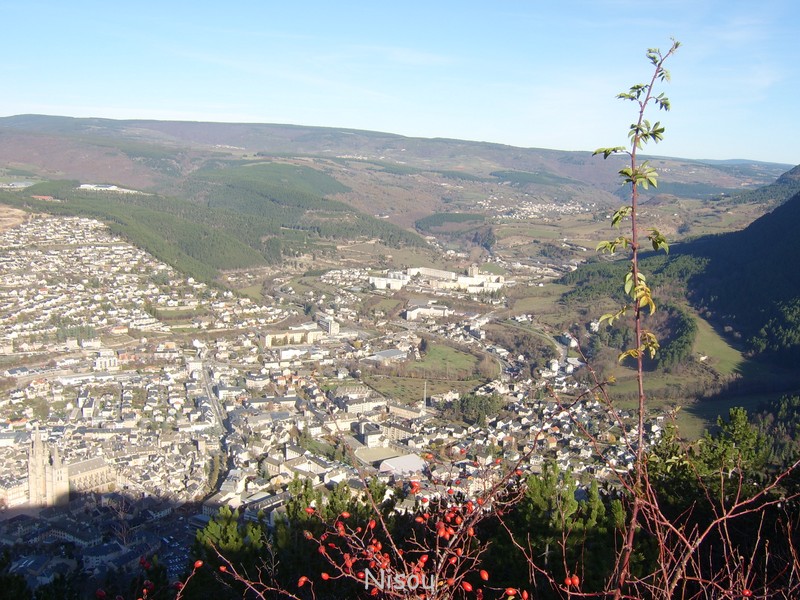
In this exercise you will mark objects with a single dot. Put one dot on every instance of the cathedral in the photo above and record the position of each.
(51, 481)
(48, 477)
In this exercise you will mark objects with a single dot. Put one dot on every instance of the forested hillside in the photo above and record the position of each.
(256, 193)
(751, 284)
(248, 216)
(744, 282)
(786, 186)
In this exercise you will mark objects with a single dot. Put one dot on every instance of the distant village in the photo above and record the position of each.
(148, 400)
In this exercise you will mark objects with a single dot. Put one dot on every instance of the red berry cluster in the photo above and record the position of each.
(442, 547)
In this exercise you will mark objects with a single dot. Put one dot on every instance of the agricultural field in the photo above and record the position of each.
(409, 390)
(712, 349)
(441, 360)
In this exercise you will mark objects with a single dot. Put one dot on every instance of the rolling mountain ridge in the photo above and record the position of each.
(156, 154)
(221, 196)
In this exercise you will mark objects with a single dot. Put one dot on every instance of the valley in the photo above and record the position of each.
(200, 319)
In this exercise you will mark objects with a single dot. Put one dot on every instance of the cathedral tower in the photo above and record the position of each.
(48, 477)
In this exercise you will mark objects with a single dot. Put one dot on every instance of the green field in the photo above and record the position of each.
(444, 360)
(412, 389)
(387, 305)
(529, 230)
(493, 268)
(539, 299)
(179, 314)
(721, 356)
(623, 394)
(253, 292)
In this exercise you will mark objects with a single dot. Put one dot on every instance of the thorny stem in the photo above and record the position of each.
(639, 471)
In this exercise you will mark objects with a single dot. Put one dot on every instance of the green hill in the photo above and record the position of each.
(244, 221)
(786, 186)
(751, 285)
(223, 196)
(745, 282)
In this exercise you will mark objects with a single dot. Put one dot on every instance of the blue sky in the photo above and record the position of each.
(529, 73)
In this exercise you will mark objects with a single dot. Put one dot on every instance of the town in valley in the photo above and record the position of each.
(148, 400)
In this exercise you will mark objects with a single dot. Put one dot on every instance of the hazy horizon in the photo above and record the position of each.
(520, 74)
(390, 133)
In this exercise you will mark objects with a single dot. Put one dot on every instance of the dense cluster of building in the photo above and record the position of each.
(114, 412)
(68, 279)
(525, 207)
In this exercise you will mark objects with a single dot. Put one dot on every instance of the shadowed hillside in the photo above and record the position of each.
(751, 284)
